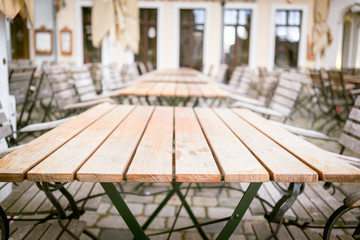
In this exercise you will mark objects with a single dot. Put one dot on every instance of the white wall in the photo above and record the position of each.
(44, 16)
(4, 82)
(332, 56)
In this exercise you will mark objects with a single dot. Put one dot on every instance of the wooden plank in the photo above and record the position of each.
(92, 204)
(38, 231)
(276, 196)
(194, 161)
(283, 233)
(119, 149)
(207, 92)
(5, 130)
(316, 216)
(333, 203)
(19, 231)
(219, 92)
(14, 166)
(84, 192)
(143, 88)
(153, 158)
(15, 194)
(128, 90)
(23, 200)
(353, 128)
(72, 188)
(169, 90)
(54, 231)
(329, 167)
(261, 230)
(181, 90)
(156, 90)
(62, 164)
(76, 227)
(35, 203)
(282, 166)
(349, 142)
(236, 162)
(194, 90)
(312, 235)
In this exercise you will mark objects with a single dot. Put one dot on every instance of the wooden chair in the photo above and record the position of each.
(50, 230)
(111, 78)
(64, 98)
(341, 98)
(221, 76)
(349, 138)
(25, 88)
(283, 101)
(27, 199)
(149, 66)
(142, 68)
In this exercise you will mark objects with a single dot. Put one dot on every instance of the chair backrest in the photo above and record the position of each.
(20, 82)
(5, 126)
(222, 73)
(110, 77)
(248, 79)
(149, 66)
(62, 87)
(319, 87)
(235, 77)
(350, 136)
(132, 72)
(142, 68)
(338, 90)
(267, 87)
(83, 83)
(286, 94)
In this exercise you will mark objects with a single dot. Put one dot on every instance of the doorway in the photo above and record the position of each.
(91, 54)
(192, 26)
(19, 38)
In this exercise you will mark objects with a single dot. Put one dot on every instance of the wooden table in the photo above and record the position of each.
(174, 87)
(113, 143)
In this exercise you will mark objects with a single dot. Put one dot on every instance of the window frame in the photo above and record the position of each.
(303, 33)
(253, 7)
(160, 50)
(287, 25)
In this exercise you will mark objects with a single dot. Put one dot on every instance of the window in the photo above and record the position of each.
(236, 37)
(91, 53)
(148, 36)
(287, 34)
(192, 25)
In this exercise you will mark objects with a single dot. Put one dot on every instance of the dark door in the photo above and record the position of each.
(148, 36)
(192, 24)
(19, 38)
(91, 53)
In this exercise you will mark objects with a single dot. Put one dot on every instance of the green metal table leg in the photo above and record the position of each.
(188, 209)
(239, 211)
(158, 209)
(124, 211)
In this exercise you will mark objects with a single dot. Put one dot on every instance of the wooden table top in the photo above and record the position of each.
(157, 144)
(174, 89)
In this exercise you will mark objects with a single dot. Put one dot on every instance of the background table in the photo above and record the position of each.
(175, 87)
(111, 143)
